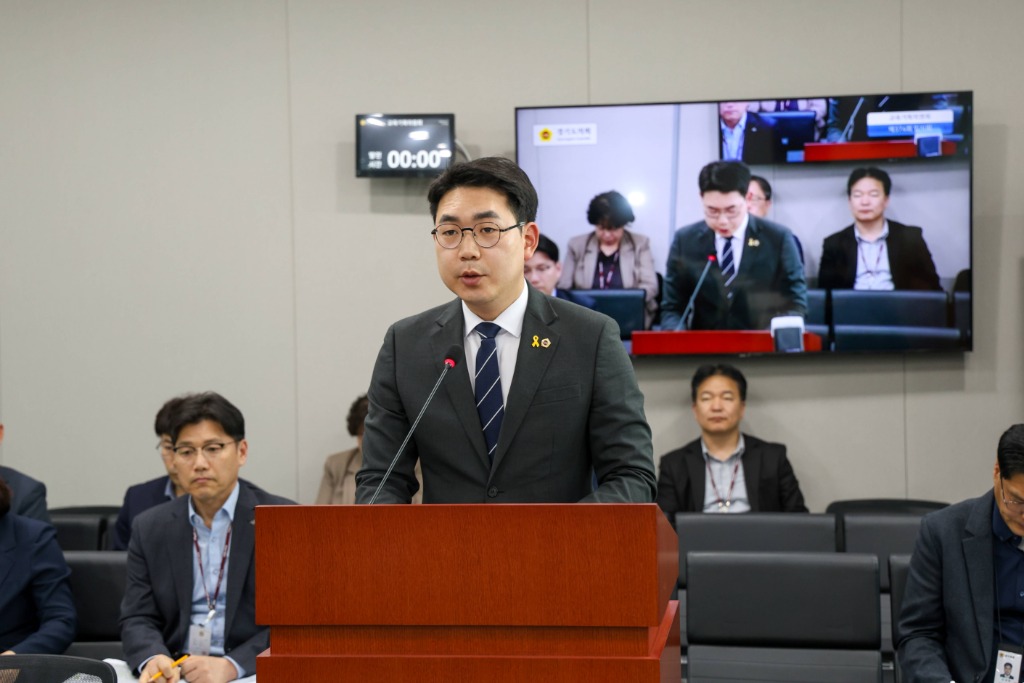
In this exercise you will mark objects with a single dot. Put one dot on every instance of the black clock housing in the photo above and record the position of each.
(404, 145)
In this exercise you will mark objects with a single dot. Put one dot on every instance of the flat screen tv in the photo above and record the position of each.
(807, 149)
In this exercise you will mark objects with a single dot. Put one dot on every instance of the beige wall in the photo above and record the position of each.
(179, 212)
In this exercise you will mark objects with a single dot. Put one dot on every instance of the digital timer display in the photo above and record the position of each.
(403, 145)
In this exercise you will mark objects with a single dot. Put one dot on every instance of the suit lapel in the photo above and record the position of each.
(850, 252)
(749, 258)
(531, 364)
(977, 545)
(589, 262)
(179, 554)
(752, 462)
(243, 543)
(449, 331)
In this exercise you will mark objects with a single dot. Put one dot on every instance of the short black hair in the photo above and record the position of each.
(165, 417)
(763, 183)
(208, 405)
(724, 177)
(869, 172)
(5, 498)
(723, 369)
(1010, 452)
(497, 173)
(357, 415)
(610, 208)
(547, 246)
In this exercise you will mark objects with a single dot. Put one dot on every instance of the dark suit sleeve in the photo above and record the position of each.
(832, 265)
(790, 497)
(670, 479)
(620, 438)
(922, 623)
(672, 300)
(921, 268)
(141, 617)
(794, 284)
(386, 426)
(122, 527)
(51, 594)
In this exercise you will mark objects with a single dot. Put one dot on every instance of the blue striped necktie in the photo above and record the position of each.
(728, 266)
(489, 403)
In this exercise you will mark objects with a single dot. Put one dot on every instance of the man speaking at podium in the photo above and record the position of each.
(542, 398)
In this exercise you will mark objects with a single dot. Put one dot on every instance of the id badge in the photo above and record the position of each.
(199, 639)
(1008, 664)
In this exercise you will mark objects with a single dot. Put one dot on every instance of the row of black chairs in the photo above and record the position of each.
(853, 320)
(877, 536)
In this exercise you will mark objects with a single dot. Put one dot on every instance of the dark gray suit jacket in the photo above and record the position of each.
(946, 622)
(770, 280)
(574, 408)
(771, 484)
(157, 604)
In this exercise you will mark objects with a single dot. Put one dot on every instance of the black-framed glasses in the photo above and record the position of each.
(486, 234)
(1012, 505)
(210, 450)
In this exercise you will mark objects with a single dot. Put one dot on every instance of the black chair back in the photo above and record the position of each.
(755, 532)
(98, 580)
(78, 530)
(55, 669)
(783, 617)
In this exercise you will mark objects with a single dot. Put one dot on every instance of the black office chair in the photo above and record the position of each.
(54, 669)
(882, 535)
(792, 617)
(78, 530)
(753, 531)
(899, 570)
(901, 307)
(98, 579)
(885, 506)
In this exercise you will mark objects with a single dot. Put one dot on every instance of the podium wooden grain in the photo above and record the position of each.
(496, 593)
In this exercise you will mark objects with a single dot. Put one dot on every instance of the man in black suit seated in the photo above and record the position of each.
(28, 495)
(756, 274)
(873, 252)
(746, 136)
(141, 497)
(963, 609)
(726, 471)
(543, 269)
(191, 584)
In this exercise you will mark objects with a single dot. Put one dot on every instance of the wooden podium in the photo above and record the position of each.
(440, 593)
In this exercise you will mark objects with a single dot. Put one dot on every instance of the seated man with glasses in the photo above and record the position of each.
(963, 607)
(199, 545)
(748, 268)
(542, 398)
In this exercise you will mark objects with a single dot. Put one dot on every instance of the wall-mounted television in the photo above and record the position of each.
(806, 148)
(403, 145)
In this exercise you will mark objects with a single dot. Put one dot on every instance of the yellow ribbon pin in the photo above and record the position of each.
(536, 341)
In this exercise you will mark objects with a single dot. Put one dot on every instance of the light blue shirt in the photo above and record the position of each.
(719, 480)
(873, 270)
(211, 546)
(732, 138)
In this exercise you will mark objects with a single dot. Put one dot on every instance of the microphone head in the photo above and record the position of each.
(453, 355)
(712, 258)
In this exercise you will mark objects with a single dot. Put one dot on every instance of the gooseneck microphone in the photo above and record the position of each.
(451, 359)
(686, 321)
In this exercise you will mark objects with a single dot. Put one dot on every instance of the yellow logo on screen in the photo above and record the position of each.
(545, 135)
